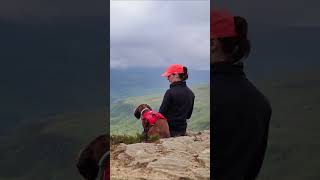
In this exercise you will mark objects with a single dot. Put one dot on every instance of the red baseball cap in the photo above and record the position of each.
(222, 24)
(173, 69)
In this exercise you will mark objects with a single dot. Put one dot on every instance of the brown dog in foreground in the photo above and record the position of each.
(154, 123)
(89, 160)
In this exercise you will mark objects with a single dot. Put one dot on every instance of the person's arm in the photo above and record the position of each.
(191, 110)
(165, 103)
(257, 161)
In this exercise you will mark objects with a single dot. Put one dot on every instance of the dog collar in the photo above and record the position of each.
(143, 111)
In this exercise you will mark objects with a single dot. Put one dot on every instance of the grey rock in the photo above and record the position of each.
(186, 157)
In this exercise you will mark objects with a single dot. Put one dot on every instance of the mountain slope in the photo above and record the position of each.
(48, 148)
(293, 145)
(123, 122)
(129, 82)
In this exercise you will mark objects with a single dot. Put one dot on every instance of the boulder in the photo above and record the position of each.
(185, 157)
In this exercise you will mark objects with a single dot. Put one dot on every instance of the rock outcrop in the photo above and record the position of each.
(186, 157)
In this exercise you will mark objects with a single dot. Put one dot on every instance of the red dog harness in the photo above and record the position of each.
(152, 117)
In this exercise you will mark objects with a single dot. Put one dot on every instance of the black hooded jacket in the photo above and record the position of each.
(177, 106)
(240, 116)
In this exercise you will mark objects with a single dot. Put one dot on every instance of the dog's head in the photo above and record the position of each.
(87, 166)
(139, 109)
(89, 157)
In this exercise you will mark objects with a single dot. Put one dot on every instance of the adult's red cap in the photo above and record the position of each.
(173, 69)
(222, 24)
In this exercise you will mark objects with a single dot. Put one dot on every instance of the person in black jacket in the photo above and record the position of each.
(177, 104)
(240, 113)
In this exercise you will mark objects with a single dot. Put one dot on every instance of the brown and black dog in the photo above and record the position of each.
(158, 126)
(91, 160)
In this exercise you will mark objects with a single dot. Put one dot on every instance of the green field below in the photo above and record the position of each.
(294, 146)
(48, 148)
(122, 120)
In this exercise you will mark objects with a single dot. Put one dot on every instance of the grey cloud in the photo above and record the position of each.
(16, 9)
(274, 12)
(166, 33)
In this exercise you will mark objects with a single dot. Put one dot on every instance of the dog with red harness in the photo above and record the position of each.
(154, 123)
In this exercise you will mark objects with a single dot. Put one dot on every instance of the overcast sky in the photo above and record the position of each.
(19, 9)
(281, 13)
(158, 33)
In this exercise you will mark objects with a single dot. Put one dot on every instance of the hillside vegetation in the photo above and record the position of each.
(48, 148)
(124, 122)
(293, 148)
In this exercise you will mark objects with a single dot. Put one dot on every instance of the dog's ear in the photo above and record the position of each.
(86, 165)
(137, 112)
(88, 169)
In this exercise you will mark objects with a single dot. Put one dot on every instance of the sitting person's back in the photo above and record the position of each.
(240, 113)
(178, 101)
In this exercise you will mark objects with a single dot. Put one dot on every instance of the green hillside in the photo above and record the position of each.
(123, 121)
(48, 148)
(293, 148)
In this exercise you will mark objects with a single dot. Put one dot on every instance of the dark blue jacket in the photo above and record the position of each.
(177, 106)
(240, 116)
